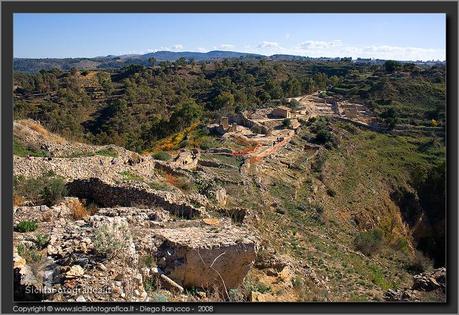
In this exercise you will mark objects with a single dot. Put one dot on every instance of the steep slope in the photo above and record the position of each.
(306, 206)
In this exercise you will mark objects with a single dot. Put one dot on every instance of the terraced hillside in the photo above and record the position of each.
(231, 180)
(286, 226)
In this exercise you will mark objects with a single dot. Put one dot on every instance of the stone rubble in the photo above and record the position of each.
(423, 282)
(156, 236)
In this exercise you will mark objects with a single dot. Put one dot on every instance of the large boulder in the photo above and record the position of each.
(206, 257)
(187, 160)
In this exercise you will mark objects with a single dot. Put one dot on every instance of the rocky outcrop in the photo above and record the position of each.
(206, 257)
(142, 232)
(433, 281)
(186, 160)
(429, 281)
(405, 295)
(98, 258)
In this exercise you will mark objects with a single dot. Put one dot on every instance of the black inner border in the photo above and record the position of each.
(450, 8)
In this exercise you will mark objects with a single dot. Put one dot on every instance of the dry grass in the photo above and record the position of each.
(79, 211)
(38, 128)
(179, 182)
(18, 200)
(171, 179)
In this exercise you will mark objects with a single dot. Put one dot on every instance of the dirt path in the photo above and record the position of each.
(267, 151)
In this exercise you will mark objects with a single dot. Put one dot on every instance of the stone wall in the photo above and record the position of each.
(241, 119)
(108, 195)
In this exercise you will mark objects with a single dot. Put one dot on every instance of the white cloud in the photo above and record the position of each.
(226, 46)
(334, 48)
(268, 45)
(137, 52)
(402, 53)
(338, 48)
(315, 44)
(177, 47)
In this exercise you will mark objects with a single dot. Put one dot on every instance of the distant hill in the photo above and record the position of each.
(115, 62)
(198, 56)
(106, 62)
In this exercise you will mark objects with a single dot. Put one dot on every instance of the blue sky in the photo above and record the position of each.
(386, 36)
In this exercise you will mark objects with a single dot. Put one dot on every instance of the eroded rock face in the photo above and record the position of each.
(206, 257)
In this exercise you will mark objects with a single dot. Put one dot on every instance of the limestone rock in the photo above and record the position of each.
(187, 160)
(74, 272)
(260, 297)
(206, 257)
(221, 197)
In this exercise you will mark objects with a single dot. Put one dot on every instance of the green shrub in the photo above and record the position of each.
(323, 136)
(79, 154)
(46, 189)
(30, 254)
(112, 240)
(287, 123)
(161, 155)
(204, 145)
(390, 118)
(150, 284)
(26, 226)
(401, 244)
(146, 261)
(294, 104)
(42, 241)
(54, 191)
(260, 287)
(236, 295)
(318, 163)
(297, 282)
(377, 277)
(322, 130)
(317, 207)
(20, 149)
(369, 242)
